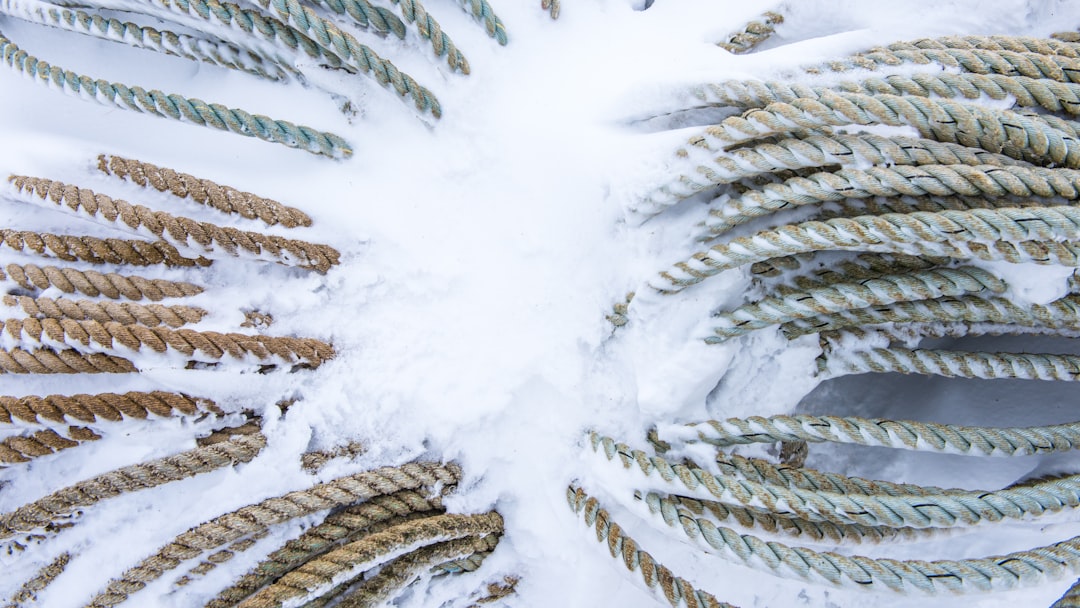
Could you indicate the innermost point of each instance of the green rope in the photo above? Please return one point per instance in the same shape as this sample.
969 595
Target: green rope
482 11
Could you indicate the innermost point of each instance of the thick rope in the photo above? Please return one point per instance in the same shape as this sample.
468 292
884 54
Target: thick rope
313 461
482 11
952 364
657 577
1016 44
195 48
365 16
203 191
978 61
95 284
101 407
430 30
175 107
205 346
64 503
126 313
1071 598
181 232
753 34
27 593
95 250
48 361
24 448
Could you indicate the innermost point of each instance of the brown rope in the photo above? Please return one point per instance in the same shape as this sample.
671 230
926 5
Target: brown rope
94 284
48 361
210 345
313 461
203 191
96 251
63 503
180 231
24 448
104 406
127 313
254 518
28 591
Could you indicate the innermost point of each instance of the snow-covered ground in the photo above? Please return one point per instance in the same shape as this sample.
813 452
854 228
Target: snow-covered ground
479 259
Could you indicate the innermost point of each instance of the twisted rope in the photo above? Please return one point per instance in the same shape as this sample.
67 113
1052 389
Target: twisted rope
203 191
176 107
1071 598
753 34
482 11
24 448
28 591
126 313
553 7
979 61
182 232
952 364
255 518
63 503
366 16
206 346
95 284
104 406
96 251
48 361
1016 44
429 29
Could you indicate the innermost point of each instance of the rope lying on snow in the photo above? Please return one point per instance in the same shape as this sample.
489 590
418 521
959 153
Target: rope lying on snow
126 313
95 284
104 406
753 34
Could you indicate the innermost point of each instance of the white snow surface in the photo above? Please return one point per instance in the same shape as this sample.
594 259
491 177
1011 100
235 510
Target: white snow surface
479 257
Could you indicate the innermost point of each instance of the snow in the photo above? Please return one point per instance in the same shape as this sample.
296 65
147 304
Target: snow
479 258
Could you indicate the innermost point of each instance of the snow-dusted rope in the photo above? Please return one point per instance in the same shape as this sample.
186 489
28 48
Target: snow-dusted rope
95 284
753 34
101 407
127 313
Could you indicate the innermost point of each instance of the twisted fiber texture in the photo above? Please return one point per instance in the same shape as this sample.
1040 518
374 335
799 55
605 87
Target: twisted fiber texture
979 61
203 191
253 518
315 460
553 7
28 591
95 284
1016 135
1016 44
482 11
195 48
903 434
1044 93
753 34
342 44
103 406
176 107
49 361
930 509
337 527
63 503
321 573
1071 598
952 364
208 345
180 231
911 204
24 448
366 16
126 313
1059 314
96 251
900 576
657 577
860 268
890 231
429 29
983 181
468 563
888 289
811 151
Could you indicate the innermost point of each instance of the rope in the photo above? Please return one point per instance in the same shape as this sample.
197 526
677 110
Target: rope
366 16
553 7
952 364
469 563
206 346
48 361
887 289
657 577
95 284
203 191
313 461
28 591
895 232
104 406
1071 599
860 268
182 232
1016 44
126 313
753 34
24 448
64 503
96 251
176 107
195 48
1032 65
985 181
429 29
483 12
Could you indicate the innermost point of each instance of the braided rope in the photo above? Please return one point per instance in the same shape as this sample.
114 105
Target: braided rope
173 106
901 434
753 34
895 232
28 591
64 503
182 232
203 191
195 48
983 181
24 448
657 577
95 284
48 361
482 11
979 61
205 346
103 406
126 313
952 364
254 518
887 289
